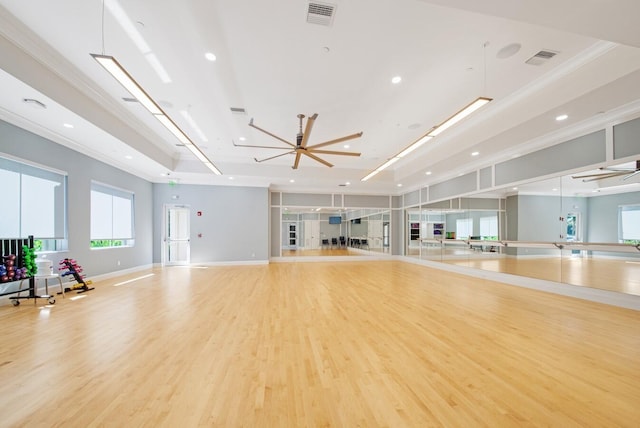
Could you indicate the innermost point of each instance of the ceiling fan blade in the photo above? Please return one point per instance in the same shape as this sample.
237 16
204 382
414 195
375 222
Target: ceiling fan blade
336 141
307 129
273 157
631 175
297 161
269 133
600 175
316 158
333 152
260 147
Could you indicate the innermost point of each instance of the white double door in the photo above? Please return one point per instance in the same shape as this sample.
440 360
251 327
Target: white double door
311 234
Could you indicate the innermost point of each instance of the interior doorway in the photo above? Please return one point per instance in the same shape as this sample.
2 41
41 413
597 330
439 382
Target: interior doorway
177 235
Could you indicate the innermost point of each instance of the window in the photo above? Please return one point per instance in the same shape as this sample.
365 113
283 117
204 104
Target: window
464 228
34 203
489 228
629 224
111 216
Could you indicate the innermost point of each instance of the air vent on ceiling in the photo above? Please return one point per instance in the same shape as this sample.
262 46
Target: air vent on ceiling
129 100
541 57
238 110
321 13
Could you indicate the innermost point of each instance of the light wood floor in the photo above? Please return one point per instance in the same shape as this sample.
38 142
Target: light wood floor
318 344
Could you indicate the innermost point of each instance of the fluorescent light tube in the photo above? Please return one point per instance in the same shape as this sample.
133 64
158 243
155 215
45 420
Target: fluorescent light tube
118 72
387 164
173 128
212 168
198 153
414 146
459 116
371 174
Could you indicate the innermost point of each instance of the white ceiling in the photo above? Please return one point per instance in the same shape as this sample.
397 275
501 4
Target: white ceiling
274 64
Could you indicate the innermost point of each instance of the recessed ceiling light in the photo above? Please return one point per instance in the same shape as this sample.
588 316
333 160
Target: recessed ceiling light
68 125
428 173
129 157
230 178
515 188
292 181
346 146
561 117
210 56
399 184
596 191
475 153
242 139
554 189
395 80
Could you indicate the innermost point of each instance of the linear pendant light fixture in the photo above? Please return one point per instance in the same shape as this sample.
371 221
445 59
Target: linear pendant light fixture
129 83
436 130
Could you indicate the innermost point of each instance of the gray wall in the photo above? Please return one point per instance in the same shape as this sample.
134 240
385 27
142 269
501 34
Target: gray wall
234 222
81 170
603 215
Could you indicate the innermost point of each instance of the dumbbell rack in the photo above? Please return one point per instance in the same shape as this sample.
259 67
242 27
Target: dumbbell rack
71 268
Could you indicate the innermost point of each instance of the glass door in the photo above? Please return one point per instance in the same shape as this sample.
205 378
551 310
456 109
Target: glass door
177 235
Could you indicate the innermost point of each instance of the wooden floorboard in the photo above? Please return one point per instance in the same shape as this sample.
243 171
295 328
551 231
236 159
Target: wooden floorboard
347 344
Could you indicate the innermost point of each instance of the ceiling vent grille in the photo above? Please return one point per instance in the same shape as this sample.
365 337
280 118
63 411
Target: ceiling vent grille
321 13
541 57
238 110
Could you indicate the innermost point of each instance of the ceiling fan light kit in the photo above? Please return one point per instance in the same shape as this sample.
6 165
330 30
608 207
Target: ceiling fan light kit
301 147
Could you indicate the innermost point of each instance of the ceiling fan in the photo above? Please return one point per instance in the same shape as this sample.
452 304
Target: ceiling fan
301 147
625 173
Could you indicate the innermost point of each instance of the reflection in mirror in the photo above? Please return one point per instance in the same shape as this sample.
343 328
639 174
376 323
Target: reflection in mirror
334 232
580 231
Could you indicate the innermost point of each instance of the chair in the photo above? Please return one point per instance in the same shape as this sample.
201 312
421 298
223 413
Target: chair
364 242
325 242
334 242
356 242
343 241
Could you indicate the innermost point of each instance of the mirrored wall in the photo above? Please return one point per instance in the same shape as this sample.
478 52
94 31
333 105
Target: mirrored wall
334 232
581 229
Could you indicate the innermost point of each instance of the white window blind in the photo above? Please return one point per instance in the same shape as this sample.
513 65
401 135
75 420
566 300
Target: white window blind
488 226
111 213
464 228
629 222
35 201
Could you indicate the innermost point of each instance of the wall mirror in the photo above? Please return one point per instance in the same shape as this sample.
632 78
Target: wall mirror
334 232
581 231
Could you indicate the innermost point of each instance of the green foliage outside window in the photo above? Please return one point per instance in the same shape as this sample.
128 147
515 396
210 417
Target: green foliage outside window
104 243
